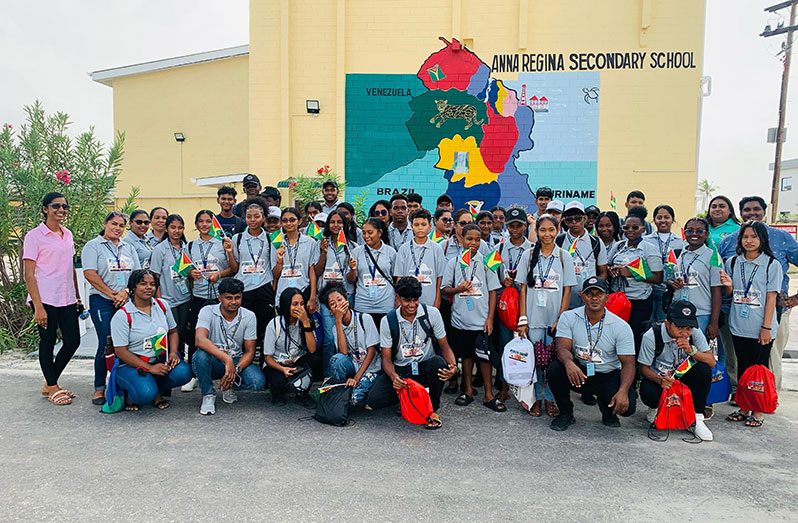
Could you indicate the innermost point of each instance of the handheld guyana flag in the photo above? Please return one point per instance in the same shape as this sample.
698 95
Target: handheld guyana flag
684 237
465 258
276 238
158 343
216 229
314 231
493 260
436 236
683 367
613 201
340 241
639 269
572 248
182 265
715 260
671 260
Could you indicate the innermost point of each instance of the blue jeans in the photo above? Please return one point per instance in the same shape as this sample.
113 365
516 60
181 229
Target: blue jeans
542 390
328 345
342 368
142 390
101 310
657 314
207 368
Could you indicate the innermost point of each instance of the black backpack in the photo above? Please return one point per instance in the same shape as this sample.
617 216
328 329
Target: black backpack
659 343
594 244
426 326
332 407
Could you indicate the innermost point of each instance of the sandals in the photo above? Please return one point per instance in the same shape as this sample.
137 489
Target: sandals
131 407
464 400
495 405
534 410
60 397
162 404
551 409
736 416
46 393
434 422
451 388
708 413
98 400
751 421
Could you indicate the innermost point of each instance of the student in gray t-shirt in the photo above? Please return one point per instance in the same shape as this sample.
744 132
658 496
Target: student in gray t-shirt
294 259
137 238
371 271
423 259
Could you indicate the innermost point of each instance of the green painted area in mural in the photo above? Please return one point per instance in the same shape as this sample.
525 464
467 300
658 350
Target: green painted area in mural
377 141
443 114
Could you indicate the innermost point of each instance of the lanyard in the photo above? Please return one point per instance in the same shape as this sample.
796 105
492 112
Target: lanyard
175 252
255 260
401 235
474 265
233 330
664 251
372 268
289 340
353 350
686 271
292 261
750 280
412 340
591 344
544 275
204 254
413 254
338 260
571 240
116 254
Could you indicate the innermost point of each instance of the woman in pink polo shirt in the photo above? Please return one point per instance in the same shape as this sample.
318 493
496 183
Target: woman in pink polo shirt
48 253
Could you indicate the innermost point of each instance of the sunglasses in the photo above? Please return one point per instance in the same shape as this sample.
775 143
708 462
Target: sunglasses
381 212
141 222
498 218
631 228
694 231
573 219
463 223
289 220
57 206
446 220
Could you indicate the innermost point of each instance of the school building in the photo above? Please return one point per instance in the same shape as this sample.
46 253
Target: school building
485 100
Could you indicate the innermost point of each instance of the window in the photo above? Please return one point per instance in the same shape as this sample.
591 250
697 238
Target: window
786 184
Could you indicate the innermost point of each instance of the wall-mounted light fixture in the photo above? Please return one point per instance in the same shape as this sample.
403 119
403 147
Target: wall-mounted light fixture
180 137
312 106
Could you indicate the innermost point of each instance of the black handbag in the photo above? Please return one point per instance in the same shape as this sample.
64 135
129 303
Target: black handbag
332 407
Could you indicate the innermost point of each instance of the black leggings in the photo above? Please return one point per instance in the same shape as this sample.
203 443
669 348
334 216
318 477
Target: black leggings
641 313
261 302
66 319
749 352
194 308
698 379
277 380
180 314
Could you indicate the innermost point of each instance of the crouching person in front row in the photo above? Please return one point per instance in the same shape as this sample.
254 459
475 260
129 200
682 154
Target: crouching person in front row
413 345
596 356
225 336
677 349
355 337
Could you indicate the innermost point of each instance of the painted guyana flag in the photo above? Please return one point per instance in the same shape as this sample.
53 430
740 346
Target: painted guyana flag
314 231
639 269
182 265
276 238
493 261
465 258
216 229
158 343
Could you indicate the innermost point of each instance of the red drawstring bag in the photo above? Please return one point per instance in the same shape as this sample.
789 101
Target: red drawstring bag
676 410
508 308
756 390
619 305
415 403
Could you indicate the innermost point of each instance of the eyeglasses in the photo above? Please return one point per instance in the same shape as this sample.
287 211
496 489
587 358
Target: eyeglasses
631 228
695 231
289 220
573 219
381 212
141 222
463 223
446 220
57 206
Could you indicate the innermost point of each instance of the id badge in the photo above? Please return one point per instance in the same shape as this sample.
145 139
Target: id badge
372 291
470 303
540 298
745 311
685 296
120 279
414 368
591 369
182 287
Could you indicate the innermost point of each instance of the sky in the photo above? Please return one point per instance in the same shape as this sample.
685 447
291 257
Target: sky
56 43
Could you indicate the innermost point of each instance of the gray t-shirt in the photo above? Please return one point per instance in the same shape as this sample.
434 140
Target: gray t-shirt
665 242
414 344
138 335
610 339
700 276
452 248
623 254
142 246
470 309
253 254
296 264
336 267
552 274
398 238
174 287
672 356
208 256
152 240
229 336
284 344
747 313
113 263
585 261
359 338
426 262
374 291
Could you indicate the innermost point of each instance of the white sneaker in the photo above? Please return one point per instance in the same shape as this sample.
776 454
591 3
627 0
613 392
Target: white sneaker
701 430
208 406
652 413
190 386
229 396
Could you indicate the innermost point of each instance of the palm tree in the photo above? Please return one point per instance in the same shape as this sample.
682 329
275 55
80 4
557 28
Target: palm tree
706 189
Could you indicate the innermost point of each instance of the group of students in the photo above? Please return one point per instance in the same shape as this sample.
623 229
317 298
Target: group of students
284 298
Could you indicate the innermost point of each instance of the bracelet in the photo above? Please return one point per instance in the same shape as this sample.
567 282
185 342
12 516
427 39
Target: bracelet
523 323
766 328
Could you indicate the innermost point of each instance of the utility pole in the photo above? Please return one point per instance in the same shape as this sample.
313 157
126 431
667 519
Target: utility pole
785 80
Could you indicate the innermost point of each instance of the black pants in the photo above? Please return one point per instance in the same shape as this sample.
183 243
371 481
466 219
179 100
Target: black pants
698 379
377 317
180 314
194 308
749 352
66 319
603 385
382 393
277 380
641 313
261 302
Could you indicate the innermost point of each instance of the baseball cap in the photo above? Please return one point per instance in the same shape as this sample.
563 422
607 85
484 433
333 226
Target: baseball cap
683 314
321 217
573 207
592 209
556 206
271 192
251 179
329 182
594 282
515 215
274 212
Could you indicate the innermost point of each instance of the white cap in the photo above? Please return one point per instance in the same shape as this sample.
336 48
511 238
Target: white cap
555 205
575 205
321 217
274 212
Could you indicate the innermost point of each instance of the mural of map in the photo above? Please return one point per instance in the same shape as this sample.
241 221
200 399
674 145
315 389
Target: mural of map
453 128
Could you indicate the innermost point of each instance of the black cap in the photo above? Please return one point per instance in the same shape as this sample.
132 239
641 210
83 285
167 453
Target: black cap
544 191
271 192
329 182
515 215
592 209
594 282
251 179
683 314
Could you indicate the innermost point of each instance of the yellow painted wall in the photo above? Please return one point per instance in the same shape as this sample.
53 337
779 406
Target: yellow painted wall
209 103
302 49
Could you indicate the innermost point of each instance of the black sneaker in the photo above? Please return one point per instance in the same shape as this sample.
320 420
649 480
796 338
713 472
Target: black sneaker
589 399
562 421
611 420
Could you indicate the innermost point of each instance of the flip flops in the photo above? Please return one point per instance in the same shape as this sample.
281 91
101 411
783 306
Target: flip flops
495 405
464 400
434 422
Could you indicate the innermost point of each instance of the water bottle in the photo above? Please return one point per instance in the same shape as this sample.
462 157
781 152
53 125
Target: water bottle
85 314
